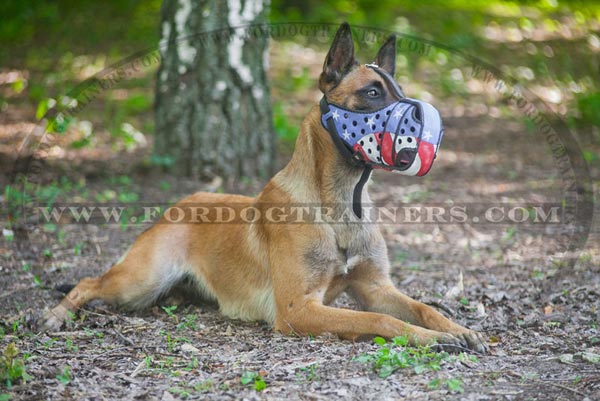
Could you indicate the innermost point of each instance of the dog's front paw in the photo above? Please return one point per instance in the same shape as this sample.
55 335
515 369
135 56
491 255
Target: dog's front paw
475 341
458 342
52 320
449 343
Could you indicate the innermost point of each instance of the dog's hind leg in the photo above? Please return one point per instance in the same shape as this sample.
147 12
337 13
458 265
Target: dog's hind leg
147 271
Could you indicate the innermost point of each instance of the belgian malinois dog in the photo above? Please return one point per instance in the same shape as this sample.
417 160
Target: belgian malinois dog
286 274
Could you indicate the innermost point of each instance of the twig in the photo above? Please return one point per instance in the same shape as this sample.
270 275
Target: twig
127 340
566 388
107 352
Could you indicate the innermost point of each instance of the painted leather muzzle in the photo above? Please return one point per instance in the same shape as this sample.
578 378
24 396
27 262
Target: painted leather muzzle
402 137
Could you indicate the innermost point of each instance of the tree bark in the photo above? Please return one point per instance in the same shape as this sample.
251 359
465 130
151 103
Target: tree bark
213 112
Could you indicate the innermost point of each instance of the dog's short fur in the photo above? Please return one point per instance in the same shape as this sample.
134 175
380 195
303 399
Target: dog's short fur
286 274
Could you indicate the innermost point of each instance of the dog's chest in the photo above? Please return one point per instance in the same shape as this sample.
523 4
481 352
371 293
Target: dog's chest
337 250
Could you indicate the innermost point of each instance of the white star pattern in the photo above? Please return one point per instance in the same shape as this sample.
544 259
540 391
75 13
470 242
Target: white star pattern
335 115
346 135
426 135
397 114
370 121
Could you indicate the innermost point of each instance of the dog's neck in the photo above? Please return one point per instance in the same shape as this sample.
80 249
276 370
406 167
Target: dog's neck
317 173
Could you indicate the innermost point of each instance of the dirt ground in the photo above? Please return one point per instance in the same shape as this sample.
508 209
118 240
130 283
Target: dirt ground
542 324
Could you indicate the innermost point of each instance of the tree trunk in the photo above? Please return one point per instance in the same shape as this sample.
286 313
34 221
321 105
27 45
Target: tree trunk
213 112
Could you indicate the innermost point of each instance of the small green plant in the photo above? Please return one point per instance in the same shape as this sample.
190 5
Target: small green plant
169 310
193 364
189 322
309 373
398 355
38 281
454 385
255 379
93 333
148 361
180 391
77 248
70 346
509 233
65 376
12 368
171 341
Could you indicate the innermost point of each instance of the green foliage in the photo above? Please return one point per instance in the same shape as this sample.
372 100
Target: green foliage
398 355
169 310
309 373
254 379
65 376
188 322
77 248
12 368
454 385
286 131
589 108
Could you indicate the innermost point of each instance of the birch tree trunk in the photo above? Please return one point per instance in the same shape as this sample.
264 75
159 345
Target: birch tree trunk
213 113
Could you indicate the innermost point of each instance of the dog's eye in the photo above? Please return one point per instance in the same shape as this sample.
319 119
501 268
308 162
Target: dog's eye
372 93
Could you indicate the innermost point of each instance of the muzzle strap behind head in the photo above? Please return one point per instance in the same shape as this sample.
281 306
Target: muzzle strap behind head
388 79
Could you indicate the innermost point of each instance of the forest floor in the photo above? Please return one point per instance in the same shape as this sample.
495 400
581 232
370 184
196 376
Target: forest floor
501 279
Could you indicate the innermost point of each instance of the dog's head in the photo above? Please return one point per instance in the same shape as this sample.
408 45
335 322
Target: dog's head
347 83
367 115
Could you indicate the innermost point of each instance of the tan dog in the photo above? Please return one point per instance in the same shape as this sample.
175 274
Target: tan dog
285 273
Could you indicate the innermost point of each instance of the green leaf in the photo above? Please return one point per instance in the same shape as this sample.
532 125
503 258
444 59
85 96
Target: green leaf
420 369
247 378
64 377
434 384
379 341
455 385
401 341
259 384
591 357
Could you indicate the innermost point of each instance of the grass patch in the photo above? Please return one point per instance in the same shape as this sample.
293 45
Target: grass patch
12 368
396 354
254 379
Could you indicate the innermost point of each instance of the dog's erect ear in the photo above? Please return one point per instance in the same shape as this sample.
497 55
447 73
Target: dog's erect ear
386 56
340 59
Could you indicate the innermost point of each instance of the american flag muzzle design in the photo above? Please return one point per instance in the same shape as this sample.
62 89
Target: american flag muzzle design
402 137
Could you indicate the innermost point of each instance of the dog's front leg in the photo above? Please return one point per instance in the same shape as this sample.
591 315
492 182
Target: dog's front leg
299 293
310 317
373 289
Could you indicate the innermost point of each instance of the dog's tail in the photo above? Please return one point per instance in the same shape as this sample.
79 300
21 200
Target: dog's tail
64 288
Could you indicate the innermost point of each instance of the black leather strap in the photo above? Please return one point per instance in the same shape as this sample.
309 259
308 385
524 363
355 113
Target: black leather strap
347 154
389 79
357 195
